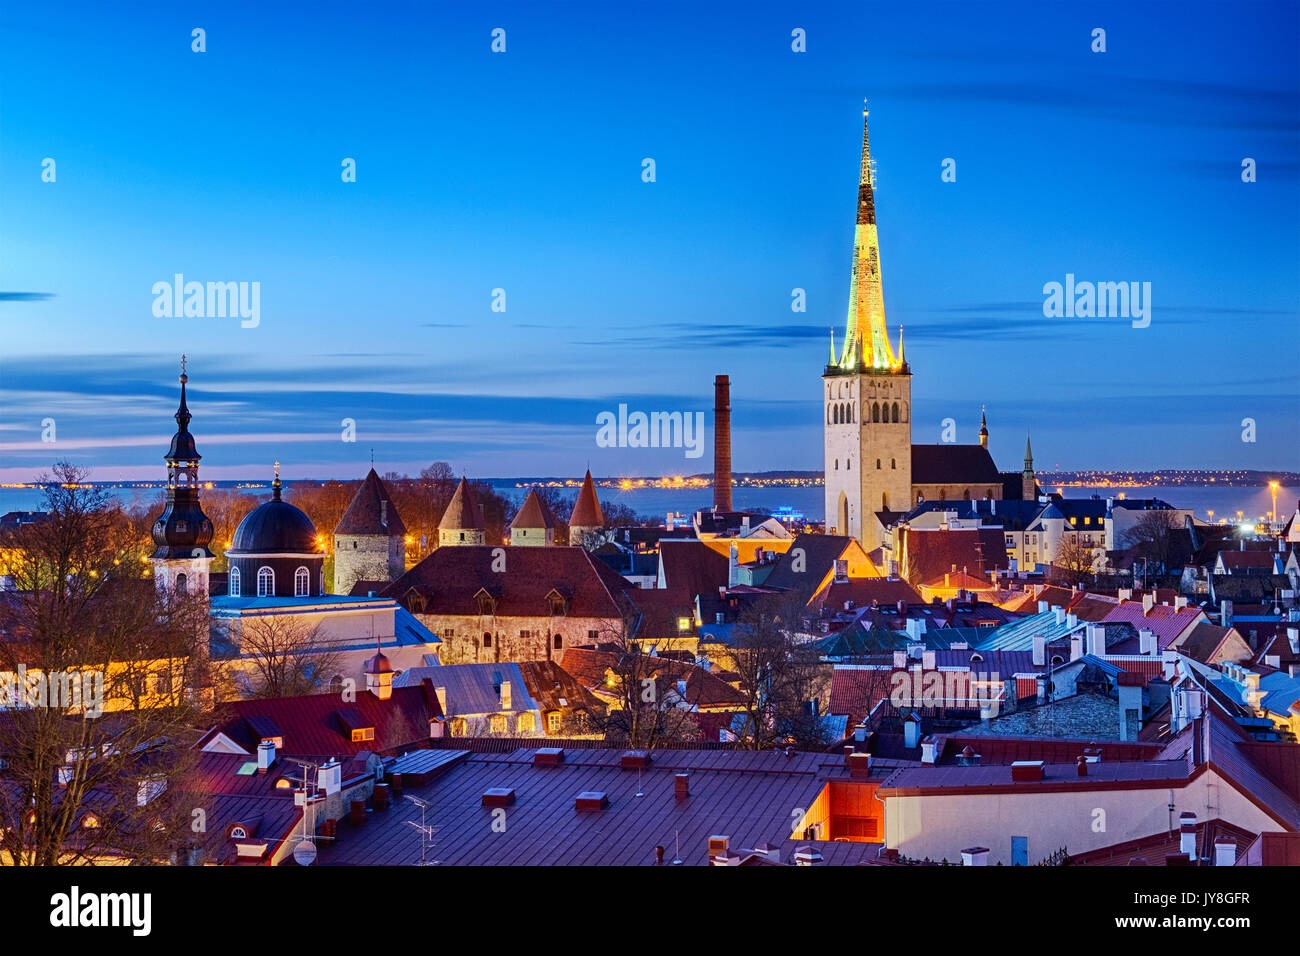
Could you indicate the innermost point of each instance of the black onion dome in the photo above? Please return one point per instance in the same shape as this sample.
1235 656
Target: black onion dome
276 527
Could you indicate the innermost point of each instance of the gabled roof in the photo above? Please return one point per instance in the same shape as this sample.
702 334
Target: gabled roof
692 566
1167 623
372 511
313 724
951 464
462 512
448 581
586 510
533 514
933 551
817 554
864 592
474 689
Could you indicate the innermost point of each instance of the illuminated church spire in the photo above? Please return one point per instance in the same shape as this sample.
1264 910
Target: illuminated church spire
866 343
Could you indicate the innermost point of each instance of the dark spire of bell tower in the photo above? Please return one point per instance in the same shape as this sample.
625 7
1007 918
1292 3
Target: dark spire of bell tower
182 530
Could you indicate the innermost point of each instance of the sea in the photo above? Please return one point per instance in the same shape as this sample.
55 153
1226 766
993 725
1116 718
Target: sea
1209 502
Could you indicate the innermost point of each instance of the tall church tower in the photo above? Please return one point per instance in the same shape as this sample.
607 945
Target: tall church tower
182 531
867 394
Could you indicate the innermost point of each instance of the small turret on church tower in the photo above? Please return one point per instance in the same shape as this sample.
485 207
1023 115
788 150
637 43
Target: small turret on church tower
379 676
462 522
1030 486
370 540
587 518
182 532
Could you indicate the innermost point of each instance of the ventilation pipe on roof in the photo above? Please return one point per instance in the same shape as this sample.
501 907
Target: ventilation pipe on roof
1040 650
1043 607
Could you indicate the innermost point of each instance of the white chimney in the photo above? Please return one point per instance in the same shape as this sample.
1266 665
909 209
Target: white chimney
1060 614
1225 852
330 778
1187 834
1180 602
1146 641
1096 640
505 695
900 658
1148 602
927 750
1076 646
265 755
1040 650
1043 607
975 856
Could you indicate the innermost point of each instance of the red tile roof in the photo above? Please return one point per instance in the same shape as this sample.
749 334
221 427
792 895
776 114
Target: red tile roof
586 510
314 725
1167 623
462 512
864 592
372 511
932 552
692 566
533 514
449 580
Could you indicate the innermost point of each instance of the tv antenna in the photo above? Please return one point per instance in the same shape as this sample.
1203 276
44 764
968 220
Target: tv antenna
304 850
424 829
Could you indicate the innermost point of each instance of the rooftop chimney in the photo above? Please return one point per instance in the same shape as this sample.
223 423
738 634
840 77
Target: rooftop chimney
681 785
1146 641
722 443
1187 834
1040 650
975 856
265 755
1096 640
1225 851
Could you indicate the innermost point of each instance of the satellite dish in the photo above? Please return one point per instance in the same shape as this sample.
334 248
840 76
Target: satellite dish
304 854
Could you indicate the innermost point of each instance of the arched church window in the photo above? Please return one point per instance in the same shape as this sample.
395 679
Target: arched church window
835 414
884 501
234 582
893 464
265 581
895 412
875 411
181 583
301 582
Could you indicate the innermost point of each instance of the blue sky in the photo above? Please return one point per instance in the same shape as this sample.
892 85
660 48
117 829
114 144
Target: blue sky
522 171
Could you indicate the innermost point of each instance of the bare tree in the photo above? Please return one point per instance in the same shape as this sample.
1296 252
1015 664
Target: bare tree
101 672
283 656
1151 536
646 711
1073 562
784 683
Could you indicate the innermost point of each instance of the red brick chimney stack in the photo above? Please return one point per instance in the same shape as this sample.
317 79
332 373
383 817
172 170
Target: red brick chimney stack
722 443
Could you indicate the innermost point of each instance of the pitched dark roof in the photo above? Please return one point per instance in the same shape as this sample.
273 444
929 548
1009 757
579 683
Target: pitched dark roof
533 514
950 464
932 552
692 566
817 552
449 580
462 512
586 510
315 724
372 511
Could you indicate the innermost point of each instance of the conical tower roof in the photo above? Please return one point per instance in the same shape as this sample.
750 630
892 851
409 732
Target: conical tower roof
462 512
372 511
534 513
866 342
586 510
